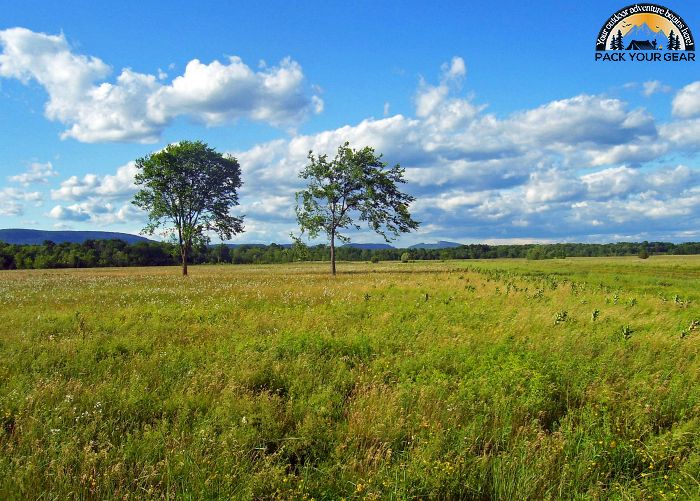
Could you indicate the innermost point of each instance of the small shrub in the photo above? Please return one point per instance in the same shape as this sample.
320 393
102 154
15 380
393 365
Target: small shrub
695 324
405 257
560 316
626 331
643 254
374 259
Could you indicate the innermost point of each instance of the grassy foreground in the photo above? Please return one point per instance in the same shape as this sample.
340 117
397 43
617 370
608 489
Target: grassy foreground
576 378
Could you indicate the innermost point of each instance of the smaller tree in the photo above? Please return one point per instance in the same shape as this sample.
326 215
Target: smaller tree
355 185
188 189
300 251
616 42
671 41
405 257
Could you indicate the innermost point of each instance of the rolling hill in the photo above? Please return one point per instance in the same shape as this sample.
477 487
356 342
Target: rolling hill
442 244
22 236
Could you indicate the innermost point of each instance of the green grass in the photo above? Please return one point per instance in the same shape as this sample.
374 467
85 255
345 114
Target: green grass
470 379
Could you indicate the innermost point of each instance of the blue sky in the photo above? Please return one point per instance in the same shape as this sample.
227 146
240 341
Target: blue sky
508 129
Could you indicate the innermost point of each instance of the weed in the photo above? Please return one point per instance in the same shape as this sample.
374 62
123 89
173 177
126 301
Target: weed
560 317
626 331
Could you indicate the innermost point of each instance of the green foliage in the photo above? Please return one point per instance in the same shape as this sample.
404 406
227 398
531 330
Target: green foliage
300 251
103 253
355 186
188 189
626 331
405 257
643 253
374 259
536 253
561 317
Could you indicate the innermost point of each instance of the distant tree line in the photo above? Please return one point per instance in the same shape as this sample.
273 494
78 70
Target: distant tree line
107 253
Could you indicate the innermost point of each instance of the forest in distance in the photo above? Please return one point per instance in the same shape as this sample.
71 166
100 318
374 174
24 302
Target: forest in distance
117 253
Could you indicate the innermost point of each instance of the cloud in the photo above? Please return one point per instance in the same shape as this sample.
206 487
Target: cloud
586 168
73 213
137 107
97 212
99 199
37 173
218 93
119 185
682 134
476 150
686 103
455 70
12 201
582 121
435 104
552 186
11 208
637 151
654 86
20 195
546 173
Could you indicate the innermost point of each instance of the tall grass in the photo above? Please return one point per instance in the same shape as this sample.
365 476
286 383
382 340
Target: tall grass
471 380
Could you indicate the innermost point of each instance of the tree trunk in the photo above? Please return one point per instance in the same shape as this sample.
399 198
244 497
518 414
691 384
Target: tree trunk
184 261
333 253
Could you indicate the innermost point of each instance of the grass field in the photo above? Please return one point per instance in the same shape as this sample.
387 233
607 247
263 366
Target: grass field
503 379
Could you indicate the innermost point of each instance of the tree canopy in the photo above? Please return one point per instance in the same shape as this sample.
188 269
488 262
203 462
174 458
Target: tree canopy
189 189
102 253
354 186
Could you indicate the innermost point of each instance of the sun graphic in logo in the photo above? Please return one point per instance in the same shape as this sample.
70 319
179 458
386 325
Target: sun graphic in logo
645 32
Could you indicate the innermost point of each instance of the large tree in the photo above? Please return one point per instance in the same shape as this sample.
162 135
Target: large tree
189 189
355 186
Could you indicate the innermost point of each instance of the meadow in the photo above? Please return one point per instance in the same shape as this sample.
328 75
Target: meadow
500 379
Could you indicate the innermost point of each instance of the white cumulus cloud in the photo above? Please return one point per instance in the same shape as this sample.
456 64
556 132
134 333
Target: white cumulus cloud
587 167
136 107
36 173
118 185
12 200
686 103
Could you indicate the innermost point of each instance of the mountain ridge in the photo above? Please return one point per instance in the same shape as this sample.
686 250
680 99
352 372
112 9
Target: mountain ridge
441 244
25 236
644 32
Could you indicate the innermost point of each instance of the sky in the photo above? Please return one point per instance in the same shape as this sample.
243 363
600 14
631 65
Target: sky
508 129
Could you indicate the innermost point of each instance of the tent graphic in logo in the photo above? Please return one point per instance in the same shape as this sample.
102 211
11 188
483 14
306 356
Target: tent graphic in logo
645 27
